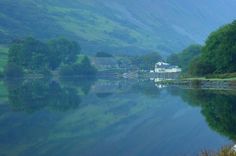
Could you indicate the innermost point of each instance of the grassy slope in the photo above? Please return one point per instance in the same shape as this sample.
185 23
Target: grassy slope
114 26
95 25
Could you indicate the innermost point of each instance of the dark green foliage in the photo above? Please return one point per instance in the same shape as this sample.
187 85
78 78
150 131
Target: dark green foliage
146 62
199 67
184 58
84 68
220 49
35 56
13 71
29 54
62 51
219 53
103 54
174 59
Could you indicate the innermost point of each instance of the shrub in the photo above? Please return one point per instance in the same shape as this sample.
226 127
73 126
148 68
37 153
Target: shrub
103 54
225 151
82 69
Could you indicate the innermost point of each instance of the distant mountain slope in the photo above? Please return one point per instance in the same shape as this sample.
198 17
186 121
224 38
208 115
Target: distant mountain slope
117 26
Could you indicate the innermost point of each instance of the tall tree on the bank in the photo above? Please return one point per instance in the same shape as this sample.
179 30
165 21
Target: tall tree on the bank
184 58
31 54
218 54
148 61
63 51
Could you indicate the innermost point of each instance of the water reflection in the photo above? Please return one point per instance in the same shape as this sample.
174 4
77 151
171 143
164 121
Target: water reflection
218 107
34 95
112 117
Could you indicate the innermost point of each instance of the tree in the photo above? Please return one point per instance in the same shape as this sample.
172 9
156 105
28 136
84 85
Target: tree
84 68
103 54
148 61
29 54
184 58
63 51
35 56
173 59
219 52
199 67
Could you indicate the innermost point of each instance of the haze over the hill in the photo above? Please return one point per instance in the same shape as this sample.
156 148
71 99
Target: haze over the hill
117 26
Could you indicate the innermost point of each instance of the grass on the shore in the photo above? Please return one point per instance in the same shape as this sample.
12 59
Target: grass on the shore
214 77
225 151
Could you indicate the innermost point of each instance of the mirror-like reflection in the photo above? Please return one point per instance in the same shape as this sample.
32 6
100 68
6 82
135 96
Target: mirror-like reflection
218 107
112 117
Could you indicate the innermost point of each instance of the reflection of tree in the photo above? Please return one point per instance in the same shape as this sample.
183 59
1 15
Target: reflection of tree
219 108
104 95
147 88
84 83
34 95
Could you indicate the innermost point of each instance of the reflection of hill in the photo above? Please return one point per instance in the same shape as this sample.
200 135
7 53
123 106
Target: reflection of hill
128 122
111 86
218 107
104 88
147 88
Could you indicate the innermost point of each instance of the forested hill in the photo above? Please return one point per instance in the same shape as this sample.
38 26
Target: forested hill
121 26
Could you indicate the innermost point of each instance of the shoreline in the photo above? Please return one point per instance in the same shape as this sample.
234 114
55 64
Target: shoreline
203 83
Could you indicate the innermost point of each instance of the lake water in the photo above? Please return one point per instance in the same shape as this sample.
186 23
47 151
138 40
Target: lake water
112 118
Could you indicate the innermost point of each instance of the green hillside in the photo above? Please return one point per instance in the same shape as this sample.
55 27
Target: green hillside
131 27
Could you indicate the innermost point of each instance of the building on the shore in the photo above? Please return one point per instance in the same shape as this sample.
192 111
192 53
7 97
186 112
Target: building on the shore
162 67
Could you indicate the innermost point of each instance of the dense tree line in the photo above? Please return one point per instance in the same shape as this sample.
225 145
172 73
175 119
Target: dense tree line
84 68
146 62
103 54
31 55
219 53
184 58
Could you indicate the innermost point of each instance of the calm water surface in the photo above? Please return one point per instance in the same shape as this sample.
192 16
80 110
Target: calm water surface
112 118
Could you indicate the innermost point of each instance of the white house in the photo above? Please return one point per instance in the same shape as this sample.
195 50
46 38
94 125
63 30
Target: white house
162 67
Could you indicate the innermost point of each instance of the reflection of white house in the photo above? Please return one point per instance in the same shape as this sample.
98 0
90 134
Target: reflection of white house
234 148
162 67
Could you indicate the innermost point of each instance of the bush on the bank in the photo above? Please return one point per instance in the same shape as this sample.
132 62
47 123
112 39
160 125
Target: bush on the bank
225 151
219 53
84 68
